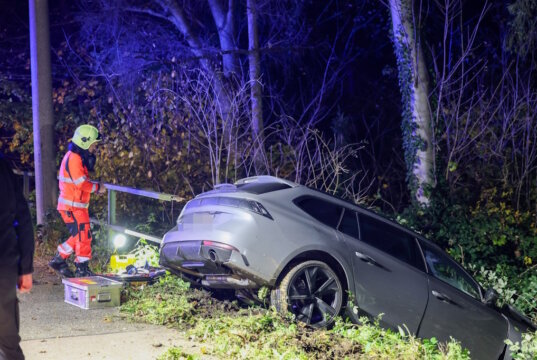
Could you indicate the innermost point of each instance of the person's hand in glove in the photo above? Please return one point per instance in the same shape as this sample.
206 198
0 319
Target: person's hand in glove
102 188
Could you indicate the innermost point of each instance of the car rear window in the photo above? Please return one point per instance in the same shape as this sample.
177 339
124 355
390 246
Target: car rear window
324 211
391 240
349 224
262 188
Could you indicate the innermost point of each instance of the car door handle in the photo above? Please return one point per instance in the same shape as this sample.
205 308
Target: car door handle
442 297
366 258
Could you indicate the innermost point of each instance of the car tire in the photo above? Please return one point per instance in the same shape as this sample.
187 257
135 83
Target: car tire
311 291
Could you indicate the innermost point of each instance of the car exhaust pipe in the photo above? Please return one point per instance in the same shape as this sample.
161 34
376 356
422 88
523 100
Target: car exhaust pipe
212 256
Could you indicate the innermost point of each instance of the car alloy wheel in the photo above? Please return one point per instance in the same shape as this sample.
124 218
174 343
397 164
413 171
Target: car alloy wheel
312 292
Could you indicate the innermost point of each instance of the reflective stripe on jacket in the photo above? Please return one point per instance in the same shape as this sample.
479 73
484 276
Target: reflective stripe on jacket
75 186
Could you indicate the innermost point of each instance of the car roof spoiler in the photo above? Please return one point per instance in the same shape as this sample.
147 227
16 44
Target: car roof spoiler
265 179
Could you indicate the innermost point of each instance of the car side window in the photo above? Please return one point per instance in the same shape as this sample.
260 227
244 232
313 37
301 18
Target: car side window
324 211
391 240
349 224
445 269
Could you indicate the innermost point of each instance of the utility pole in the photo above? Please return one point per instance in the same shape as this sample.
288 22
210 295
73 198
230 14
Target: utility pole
43 122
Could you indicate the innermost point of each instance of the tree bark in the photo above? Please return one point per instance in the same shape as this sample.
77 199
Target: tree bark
46 186
414 87
255 70
255 83
225 25
178 18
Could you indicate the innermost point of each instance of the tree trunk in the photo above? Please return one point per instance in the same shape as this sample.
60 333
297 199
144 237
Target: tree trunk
255 84
46 186
179 19
414 87
225 24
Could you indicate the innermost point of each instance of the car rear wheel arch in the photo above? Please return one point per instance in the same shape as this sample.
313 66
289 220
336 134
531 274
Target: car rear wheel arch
325 257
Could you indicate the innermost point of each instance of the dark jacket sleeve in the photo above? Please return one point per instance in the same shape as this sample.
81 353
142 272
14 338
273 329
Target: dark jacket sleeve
24 230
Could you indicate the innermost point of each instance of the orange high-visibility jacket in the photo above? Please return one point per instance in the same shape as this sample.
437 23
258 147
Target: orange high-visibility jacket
75 186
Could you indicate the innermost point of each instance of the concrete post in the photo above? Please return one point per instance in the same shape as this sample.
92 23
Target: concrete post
46 187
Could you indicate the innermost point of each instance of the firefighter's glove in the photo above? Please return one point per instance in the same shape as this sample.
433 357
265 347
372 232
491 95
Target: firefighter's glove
102 188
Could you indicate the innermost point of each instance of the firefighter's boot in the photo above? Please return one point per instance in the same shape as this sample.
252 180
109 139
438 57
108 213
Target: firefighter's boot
82 270
58 264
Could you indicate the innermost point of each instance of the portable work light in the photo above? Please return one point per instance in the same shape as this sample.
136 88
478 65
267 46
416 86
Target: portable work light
119 241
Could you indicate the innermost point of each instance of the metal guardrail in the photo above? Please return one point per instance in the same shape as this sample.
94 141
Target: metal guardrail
111 218
111 209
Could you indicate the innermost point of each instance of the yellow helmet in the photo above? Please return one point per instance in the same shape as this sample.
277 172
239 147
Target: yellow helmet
85 135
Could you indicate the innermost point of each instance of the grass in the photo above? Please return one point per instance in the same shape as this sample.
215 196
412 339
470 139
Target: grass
232 332
176 353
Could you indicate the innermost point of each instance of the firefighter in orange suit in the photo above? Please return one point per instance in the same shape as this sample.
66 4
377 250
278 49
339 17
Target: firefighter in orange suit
73 202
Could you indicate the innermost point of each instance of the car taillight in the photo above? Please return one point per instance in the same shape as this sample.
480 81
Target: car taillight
255 207
217 245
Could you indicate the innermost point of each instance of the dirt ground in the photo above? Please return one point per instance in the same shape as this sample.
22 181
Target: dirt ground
43 275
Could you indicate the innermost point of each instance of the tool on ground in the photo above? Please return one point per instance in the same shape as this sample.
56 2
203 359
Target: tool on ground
119 263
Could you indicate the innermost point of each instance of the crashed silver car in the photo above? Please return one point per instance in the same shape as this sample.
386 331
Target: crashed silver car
321 256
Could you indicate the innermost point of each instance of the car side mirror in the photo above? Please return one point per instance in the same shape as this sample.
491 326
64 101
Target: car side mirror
490 297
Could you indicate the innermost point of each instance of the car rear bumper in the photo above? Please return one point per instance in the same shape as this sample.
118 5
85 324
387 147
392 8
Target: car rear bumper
215 266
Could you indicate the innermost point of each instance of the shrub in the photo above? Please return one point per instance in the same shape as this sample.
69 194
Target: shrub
526 349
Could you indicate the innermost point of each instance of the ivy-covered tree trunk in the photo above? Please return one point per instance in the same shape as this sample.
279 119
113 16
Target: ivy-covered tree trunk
416 112
522 35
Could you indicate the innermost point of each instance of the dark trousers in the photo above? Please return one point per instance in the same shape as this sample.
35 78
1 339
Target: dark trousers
9 316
